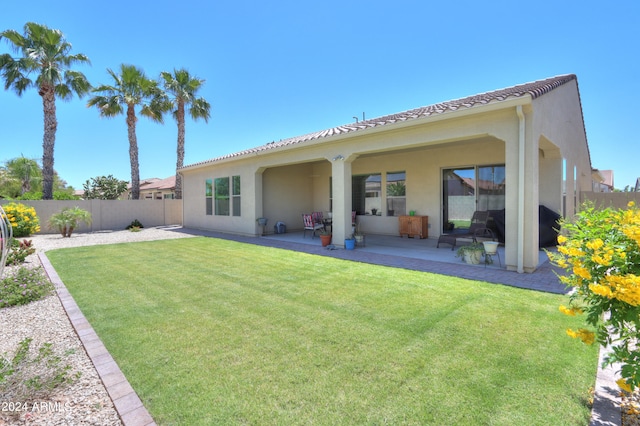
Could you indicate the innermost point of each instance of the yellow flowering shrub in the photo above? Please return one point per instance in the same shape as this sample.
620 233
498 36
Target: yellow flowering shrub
600 251
23 219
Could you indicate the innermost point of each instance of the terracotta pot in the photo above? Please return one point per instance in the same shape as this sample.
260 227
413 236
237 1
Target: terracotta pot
325 240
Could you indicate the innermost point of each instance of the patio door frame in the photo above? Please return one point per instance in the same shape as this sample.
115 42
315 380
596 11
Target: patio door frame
472 174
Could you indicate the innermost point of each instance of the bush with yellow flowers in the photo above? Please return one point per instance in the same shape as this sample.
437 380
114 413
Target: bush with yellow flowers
600 250
23 219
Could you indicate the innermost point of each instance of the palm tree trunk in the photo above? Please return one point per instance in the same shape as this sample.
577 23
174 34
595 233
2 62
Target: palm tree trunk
180 149
133 153
49 139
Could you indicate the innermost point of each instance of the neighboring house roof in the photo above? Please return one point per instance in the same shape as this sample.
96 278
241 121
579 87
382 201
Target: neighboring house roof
158 184
534 89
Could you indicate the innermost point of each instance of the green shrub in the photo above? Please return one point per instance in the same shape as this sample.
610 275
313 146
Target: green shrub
19 251
135 224
67 220
23 219
57 195
600 250
26 285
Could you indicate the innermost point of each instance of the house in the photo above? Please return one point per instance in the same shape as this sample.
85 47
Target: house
513 149
604 183
156 189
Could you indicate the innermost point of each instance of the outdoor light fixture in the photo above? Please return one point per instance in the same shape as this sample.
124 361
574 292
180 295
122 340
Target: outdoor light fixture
337 157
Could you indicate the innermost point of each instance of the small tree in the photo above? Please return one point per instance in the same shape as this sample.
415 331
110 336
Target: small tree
67 220
104 188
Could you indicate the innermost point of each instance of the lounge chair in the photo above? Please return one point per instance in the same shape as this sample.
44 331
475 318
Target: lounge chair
478 228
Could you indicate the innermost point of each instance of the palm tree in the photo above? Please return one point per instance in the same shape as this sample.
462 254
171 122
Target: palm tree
131 89
45 53
24 170
182 89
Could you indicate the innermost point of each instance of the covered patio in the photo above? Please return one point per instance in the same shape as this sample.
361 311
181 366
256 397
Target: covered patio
421 255
415 248
417 255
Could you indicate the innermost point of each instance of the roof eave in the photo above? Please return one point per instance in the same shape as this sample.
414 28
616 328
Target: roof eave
447 115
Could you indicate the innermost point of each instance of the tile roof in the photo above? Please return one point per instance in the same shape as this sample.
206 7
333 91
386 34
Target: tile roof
156 183
534 89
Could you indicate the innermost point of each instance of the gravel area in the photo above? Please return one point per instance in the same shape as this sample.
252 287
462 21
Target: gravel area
85 402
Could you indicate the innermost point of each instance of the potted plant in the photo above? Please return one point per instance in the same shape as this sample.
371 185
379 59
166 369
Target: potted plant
471 253
325 237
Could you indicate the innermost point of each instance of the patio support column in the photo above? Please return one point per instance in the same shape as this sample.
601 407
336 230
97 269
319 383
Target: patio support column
258 190
341 173
522 197
531 197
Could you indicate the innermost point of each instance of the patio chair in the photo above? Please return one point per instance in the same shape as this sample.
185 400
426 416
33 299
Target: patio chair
318 218
478 228
310 225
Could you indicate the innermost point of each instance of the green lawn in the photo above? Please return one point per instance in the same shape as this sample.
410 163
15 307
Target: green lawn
217 332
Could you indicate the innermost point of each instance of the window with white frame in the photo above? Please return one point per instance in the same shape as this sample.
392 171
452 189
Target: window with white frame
235 195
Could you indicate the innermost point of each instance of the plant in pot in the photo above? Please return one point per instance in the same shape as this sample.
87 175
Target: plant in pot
325 237
471 253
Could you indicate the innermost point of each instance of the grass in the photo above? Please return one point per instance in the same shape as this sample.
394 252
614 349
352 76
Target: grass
217 332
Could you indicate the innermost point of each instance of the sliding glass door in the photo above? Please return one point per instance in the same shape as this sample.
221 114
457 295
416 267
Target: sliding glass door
467 189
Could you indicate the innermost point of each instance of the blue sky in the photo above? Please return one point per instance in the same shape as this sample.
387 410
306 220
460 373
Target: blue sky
279 69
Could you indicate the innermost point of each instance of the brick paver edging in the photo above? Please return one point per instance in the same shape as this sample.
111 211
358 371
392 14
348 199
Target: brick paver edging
125 400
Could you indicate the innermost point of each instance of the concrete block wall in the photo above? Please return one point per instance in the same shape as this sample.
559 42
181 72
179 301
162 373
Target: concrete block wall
110 215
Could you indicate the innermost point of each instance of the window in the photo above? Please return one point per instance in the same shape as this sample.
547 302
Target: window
396 194
208 193
221 197
367 193
236 195
467 189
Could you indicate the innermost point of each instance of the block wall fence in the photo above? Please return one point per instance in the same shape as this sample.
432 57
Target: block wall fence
110 215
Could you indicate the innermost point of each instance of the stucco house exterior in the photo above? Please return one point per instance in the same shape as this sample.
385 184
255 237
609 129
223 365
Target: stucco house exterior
513 149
